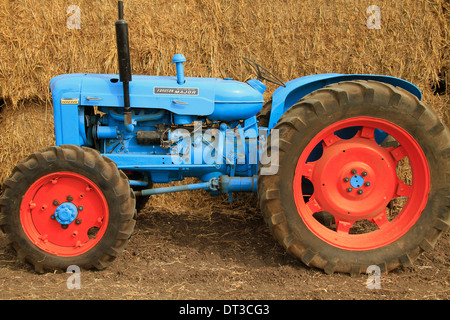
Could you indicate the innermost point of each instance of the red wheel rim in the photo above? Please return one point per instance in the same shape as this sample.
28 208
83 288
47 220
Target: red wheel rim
64 214
355 179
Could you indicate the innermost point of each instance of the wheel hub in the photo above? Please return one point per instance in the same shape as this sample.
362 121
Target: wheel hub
357 181
66 228
354 179
66 213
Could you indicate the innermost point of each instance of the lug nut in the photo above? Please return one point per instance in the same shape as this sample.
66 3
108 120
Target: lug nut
78 221
55 202
360 191
354 171
64 226
69 198
346 179
349 189
364 174
367 183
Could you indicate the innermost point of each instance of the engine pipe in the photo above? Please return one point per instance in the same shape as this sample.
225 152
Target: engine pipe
123 51
179 59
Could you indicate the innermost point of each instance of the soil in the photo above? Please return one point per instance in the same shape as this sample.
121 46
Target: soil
222 256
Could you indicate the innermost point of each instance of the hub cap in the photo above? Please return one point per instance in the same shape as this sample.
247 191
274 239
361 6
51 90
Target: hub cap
66 213
356 179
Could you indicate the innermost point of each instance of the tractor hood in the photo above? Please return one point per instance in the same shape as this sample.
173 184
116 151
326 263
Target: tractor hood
218 99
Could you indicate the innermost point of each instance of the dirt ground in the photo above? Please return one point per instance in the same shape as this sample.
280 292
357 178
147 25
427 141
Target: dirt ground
222 256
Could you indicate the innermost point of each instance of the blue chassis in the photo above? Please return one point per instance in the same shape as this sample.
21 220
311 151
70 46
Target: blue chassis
217 178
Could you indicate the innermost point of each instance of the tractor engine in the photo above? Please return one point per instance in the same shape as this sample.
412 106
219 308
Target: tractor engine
180 127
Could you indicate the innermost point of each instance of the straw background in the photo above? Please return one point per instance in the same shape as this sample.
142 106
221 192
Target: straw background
290 37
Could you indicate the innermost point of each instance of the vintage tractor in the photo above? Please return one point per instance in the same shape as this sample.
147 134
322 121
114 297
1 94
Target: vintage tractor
350 170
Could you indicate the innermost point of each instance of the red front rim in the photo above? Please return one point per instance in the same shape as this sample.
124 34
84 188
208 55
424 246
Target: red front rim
64 214
356 180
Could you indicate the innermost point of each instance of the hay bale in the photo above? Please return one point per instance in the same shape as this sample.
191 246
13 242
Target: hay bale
24 130
291 38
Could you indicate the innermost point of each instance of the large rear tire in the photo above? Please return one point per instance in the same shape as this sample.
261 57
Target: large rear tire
67 206
372 161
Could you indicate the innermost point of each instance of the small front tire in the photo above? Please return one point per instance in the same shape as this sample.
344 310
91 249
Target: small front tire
65 206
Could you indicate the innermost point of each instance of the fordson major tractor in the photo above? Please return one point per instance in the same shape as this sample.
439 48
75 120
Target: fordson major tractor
349 170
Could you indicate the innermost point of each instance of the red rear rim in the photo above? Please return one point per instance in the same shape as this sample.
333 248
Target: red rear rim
375 192
64 214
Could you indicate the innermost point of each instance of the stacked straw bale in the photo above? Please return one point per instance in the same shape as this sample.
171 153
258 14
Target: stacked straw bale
292 38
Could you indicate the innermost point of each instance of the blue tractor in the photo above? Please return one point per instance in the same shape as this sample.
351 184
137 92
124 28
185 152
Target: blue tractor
350 171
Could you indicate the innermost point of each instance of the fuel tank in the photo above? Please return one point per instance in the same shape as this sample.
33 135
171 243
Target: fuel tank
217 99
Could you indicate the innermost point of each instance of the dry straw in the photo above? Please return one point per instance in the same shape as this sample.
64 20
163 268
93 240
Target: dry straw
292 38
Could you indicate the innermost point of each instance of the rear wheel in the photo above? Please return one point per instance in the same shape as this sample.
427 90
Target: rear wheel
67 206
362 178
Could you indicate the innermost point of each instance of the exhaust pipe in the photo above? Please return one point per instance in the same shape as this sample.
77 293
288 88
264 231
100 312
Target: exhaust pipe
123 51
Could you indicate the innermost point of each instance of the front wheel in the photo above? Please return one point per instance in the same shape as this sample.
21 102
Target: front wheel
67 206
363 178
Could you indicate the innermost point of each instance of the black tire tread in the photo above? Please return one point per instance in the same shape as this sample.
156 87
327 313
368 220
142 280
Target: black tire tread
82 156
329 103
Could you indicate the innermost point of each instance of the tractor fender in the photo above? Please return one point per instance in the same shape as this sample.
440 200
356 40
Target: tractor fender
285 97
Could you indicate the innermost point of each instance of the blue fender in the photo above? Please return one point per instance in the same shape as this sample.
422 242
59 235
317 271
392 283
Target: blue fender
285 97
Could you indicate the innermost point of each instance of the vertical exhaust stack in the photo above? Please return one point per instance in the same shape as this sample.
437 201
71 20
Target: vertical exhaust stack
123 51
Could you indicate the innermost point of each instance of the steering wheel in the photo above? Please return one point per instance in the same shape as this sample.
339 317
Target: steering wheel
264 74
